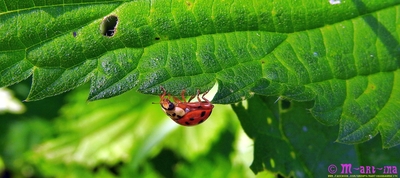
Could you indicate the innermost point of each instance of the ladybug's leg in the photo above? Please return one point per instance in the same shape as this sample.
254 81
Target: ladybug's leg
205 99
191 97
183 95
198 95
164 93
183 98
176 100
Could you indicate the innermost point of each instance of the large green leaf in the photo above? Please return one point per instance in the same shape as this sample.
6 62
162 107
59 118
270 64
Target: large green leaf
184 44
343 55
287 140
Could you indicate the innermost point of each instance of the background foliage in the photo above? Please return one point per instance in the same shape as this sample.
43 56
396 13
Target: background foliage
334 61
123 136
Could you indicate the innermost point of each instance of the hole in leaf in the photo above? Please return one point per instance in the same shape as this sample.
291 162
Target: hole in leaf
74 34
285 104
108 26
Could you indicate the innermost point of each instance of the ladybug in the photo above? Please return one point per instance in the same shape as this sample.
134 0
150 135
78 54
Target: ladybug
186 113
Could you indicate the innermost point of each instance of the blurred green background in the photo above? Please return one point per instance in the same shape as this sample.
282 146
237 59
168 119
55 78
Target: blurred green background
124 136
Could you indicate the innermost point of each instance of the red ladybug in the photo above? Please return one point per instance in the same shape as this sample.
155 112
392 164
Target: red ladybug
186 113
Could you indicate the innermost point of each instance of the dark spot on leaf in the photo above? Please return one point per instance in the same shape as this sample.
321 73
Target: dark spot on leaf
157 38
203 113
108 26
74 34
285 104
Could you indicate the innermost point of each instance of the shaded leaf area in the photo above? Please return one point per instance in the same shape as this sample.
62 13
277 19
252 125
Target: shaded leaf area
287 140
343 56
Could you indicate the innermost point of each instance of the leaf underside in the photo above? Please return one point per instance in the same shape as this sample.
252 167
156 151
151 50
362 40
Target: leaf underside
287 140
343 56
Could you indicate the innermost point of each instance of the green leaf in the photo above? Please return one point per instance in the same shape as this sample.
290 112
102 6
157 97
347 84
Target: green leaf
88 132
128 128
353 84
344 56
19 138
287 140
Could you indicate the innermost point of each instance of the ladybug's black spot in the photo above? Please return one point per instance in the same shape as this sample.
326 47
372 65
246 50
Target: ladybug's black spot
203 113
200 121
192 119
187 123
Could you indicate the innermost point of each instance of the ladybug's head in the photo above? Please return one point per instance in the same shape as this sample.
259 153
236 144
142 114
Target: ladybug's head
167 105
